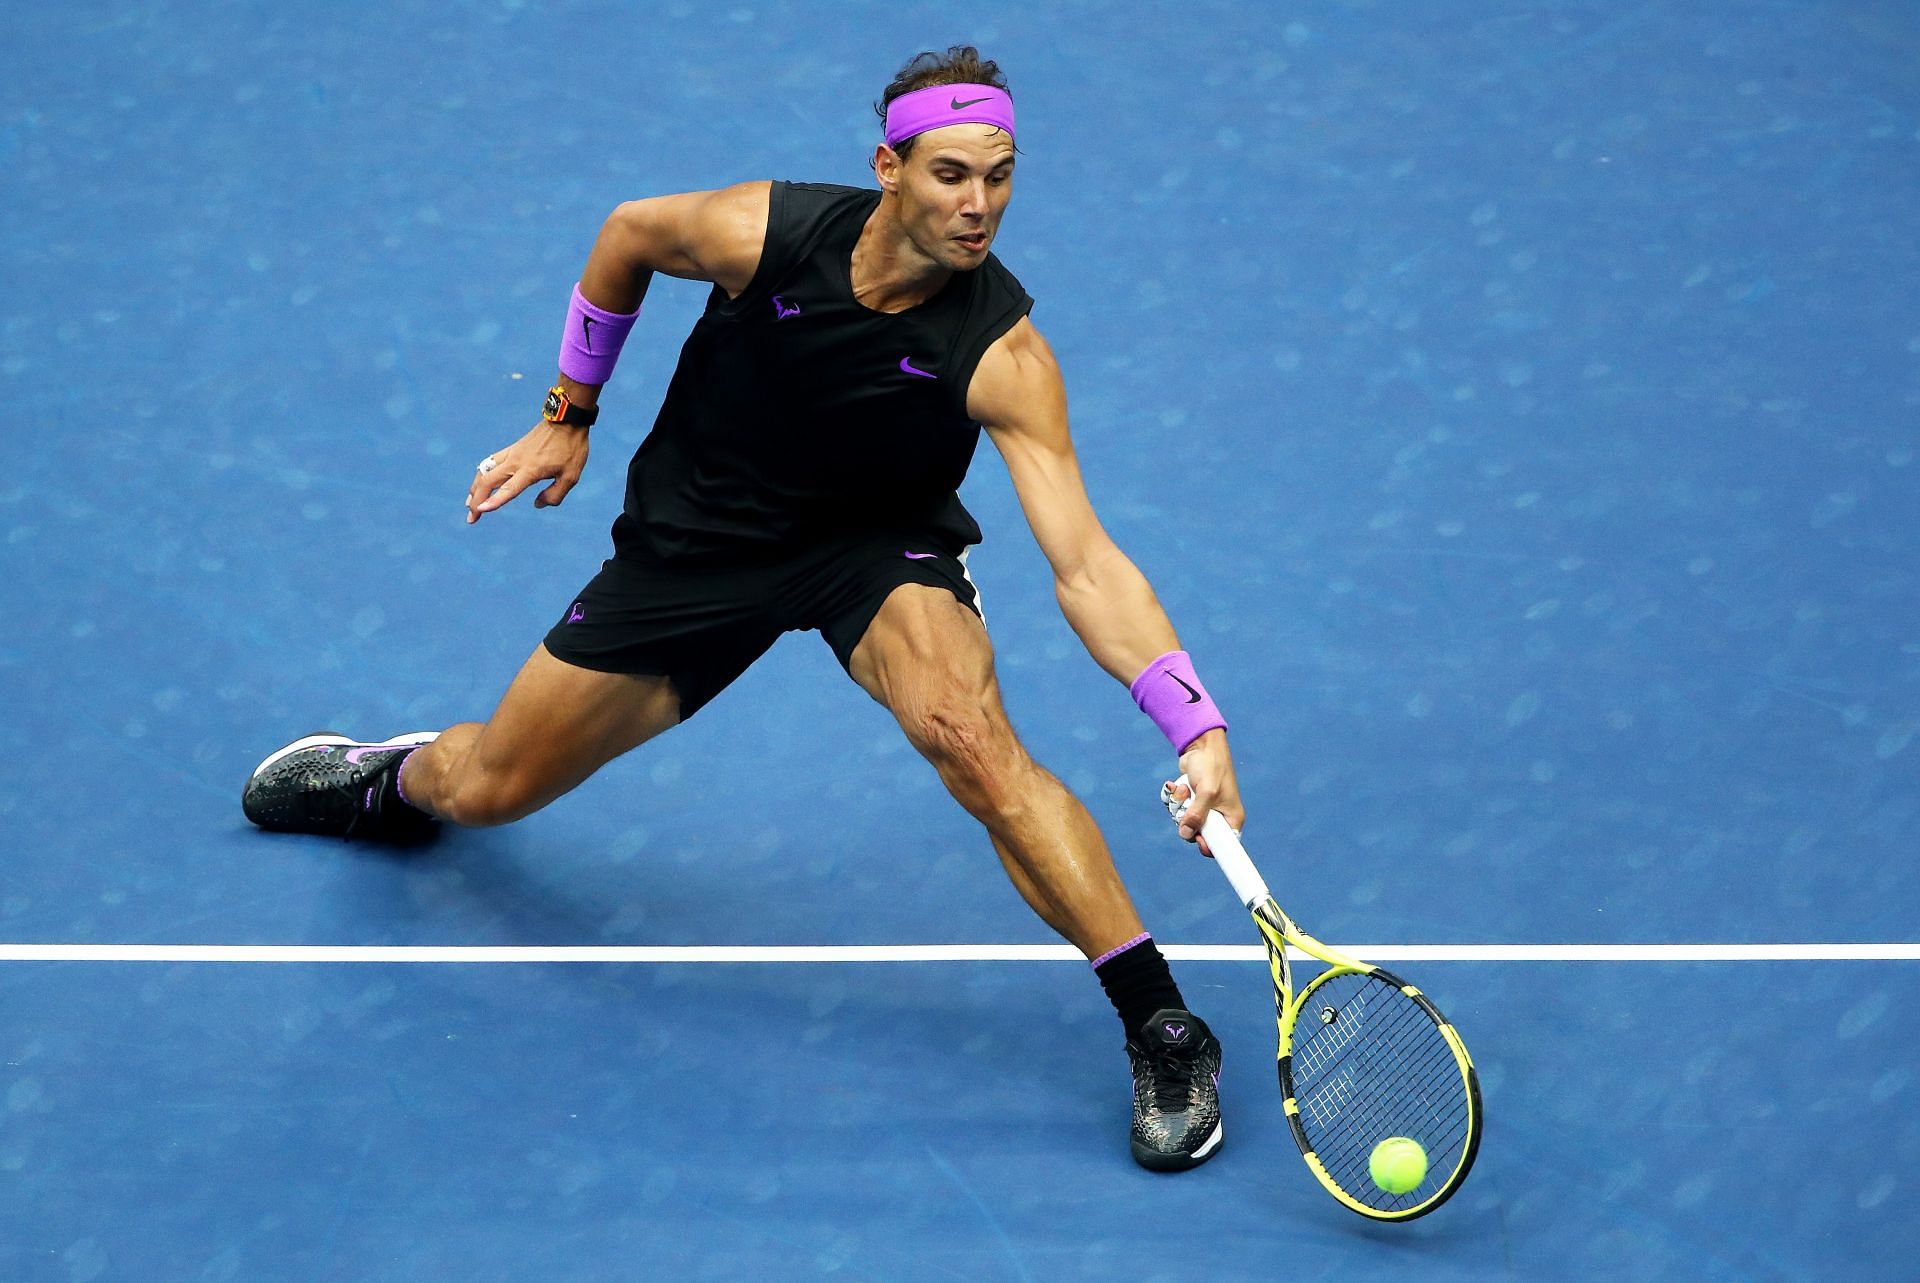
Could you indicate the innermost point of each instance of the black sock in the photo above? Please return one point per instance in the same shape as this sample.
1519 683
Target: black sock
1137 982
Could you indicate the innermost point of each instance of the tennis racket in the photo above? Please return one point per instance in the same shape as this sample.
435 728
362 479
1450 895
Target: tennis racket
1364 1056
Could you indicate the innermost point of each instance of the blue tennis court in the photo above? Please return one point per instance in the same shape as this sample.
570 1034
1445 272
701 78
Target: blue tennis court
1516 410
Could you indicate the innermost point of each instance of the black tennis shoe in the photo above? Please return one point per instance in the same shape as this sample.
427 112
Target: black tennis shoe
329 784
1176 1092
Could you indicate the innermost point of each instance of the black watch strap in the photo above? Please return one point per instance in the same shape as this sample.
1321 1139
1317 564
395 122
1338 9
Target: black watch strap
559 409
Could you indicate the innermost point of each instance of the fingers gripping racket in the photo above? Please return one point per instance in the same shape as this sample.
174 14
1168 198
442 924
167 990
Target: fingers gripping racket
1364 1057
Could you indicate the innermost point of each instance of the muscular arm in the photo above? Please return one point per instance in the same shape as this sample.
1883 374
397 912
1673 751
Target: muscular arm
1018 394
712 236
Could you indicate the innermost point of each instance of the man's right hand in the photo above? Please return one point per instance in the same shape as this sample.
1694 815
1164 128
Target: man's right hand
555 452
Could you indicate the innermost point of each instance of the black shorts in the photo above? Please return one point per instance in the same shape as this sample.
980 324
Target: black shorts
702 625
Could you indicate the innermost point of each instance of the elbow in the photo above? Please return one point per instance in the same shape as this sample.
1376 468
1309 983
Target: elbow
627 215
1071 583
628 232
1083 572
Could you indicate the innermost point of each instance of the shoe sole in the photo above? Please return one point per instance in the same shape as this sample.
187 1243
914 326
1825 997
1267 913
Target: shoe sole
334 737
1157 1162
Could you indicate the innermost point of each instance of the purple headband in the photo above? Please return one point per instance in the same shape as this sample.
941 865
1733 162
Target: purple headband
940 105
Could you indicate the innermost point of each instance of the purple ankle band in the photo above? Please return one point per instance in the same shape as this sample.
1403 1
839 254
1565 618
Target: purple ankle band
940 105
591 342
1173 697
1119 949
400 777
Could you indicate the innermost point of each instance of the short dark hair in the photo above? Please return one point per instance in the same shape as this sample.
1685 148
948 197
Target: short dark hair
959 65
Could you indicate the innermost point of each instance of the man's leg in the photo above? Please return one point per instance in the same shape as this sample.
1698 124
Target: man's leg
556 725
926 658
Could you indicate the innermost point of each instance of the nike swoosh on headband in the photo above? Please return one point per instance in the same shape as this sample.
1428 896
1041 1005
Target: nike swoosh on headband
956 104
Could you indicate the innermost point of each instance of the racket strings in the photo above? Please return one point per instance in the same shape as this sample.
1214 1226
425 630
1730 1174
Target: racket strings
1369 1063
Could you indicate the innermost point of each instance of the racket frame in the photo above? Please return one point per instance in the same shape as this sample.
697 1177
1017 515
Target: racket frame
1279 932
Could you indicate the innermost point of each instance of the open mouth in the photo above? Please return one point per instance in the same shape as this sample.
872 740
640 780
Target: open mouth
974 241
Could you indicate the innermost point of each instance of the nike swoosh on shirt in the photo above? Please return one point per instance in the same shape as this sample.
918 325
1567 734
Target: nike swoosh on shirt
920 556
910 370
1193 695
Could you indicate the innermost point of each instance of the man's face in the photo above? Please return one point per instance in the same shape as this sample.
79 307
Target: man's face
953 189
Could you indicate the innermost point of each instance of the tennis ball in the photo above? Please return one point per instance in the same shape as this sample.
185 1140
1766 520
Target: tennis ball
1397 1164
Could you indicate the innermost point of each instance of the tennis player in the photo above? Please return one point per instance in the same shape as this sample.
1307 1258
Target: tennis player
802 475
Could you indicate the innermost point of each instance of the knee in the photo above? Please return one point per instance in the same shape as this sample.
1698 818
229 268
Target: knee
978 759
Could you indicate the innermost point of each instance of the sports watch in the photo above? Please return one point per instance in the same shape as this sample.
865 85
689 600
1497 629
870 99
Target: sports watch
559 409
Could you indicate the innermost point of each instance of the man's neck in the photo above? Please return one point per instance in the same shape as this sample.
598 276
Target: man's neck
888 273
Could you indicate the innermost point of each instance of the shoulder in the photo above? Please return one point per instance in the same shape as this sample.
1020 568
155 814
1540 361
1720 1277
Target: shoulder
1023 346
1017 375
994 340
733 224
741 210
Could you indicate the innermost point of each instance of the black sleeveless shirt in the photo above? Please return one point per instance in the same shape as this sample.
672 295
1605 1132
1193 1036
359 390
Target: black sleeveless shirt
796 412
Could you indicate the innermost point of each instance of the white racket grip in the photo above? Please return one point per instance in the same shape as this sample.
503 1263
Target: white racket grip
1227 851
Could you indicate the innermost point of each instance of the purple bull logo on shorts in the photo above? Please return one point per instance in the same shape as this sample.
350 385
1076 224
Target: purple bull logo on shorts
576 613
783 309
1176 1032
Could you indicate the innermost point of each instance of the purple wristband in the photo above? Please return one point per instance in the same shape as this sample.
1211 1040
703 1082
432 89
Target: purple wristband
1173 697
591 342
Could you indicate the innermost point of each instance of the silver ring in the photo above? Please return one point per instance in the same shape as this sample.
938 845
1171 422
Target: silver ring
488 464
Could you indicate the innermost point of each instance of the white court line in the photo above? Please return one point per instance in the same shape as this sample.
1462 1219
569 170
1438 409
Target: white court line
630 954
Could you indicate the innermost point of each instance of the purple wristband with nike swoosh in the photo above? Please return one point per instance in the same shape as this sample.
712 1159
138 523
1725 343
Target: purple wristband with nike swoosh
1170 693
591 342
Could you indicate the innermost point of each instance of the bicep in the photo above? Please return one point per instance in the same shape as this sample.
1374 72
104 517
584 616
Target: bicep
711 236
1023 404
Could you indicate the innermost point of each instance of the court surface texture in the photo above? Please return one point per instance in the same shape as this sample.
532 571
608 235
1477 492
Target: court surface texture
1516 409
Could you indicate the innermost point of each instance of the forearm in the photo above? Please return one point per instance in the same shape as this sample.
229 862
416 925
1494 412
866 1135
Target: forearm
615 278
1113 609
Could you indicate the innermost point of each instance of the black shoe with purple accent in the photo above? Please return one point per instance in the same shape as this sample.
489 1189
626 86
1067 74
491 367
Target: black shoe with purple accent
329 784
1176 1092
